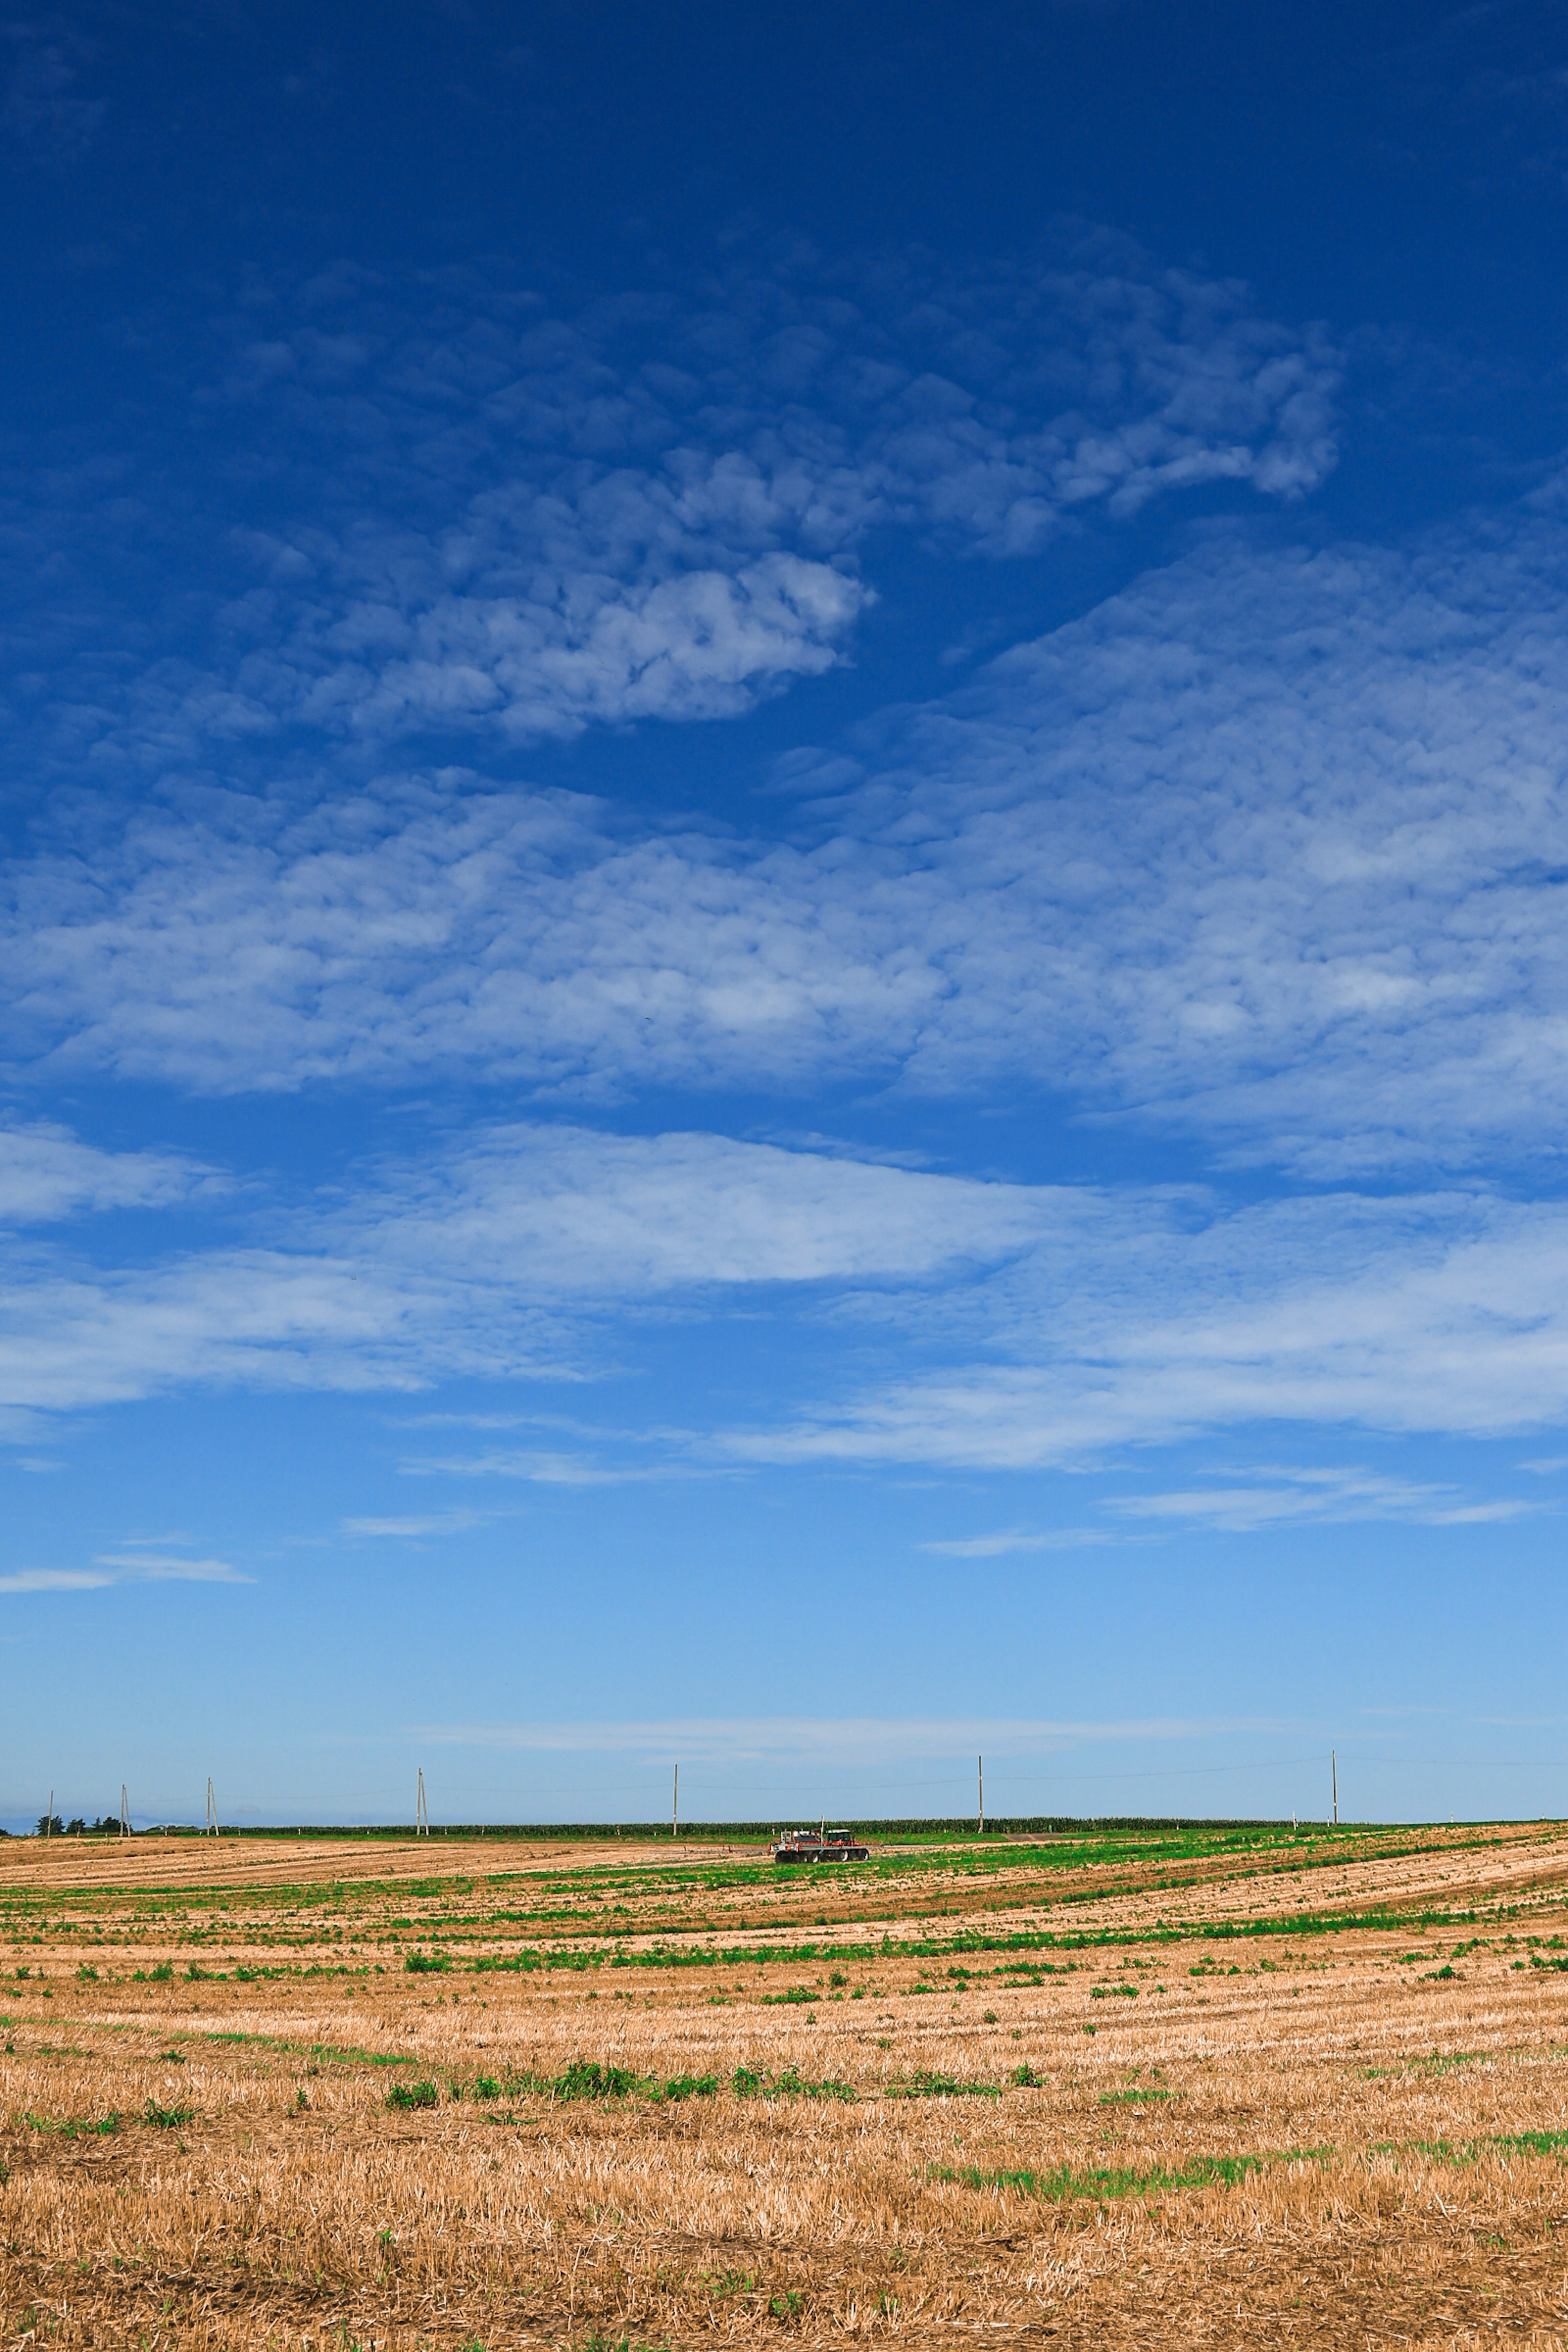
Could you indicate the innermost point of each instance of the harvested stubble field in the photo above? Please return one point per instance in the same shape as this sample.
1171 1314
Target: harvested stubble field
1239 2086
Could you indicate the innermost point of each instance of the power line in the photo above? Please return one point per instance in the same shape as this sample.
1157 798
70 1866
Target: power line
891 1789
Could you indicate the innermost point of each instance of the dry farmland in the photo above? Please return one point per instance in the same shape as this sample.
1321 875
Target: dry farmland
1234 2086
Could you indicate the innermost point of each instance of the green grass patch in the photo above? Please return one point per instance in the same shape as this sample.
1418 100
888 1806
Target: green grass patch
684 2086
165 2119
586 2079
1469 2151
106 2127
1448 2062
1065 2182
325 2053
412 2094
755 2083
929 2085
1531 2143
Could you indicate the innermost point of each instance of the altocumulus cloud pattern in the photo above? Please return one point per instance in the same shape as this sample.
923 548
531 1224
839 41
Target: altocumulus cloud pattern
1258 846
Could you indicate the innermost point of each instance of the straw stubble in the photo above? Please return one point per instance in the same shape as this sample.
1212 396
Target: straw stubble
1107 2092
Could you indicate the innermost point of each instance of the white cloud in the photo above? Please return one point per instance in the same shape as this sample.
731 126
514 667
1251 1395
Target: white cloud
1005 1541
852 1740
410 1528
435 926
988 1325
171 1567
47 1174
543 1210
1270 847
489 521
56 1580
703 644
1439 1313
485 1260
1283 1497
1281 840
128 1568
532 1465
71 1335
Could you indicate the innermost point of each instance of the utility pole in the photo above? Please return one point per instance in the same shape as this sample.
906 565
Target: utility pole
980 1773
212 1810
421 1810
124 1814
1334 1770
674 1806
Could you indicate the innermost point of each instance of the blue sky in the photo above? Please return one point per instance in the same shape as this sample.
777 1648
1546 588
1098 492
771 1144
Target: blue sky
782 942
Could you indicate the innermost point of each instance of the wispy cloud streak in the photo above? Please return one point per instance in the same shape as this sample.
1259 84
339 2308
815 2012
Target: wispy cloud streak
112 1569
862 1740
995 1325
